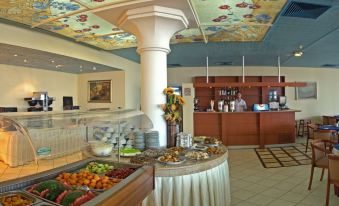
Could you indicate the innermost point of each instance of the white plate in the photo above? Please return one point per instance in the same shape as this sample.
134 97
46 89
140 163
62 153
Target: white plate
182 159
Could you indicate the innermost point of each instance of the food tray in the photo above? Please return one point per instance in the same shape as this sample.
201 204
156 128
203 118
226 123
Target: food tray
23 194
182 159
43 204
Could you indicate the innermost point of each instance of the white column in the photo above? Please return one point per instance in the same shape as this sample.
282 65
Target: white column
153 27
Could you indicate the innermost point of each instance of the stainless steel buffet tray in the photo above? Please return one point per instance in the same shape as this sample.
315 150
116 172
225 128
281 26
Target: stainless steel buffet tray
25 182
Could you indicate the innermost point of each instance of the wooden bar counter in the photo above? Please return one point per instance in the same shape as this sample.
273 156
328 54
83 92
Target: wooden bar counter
247 128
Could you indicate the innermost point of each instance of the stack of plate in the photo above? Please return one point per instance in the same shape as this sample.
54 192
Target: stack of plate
152 140
139 140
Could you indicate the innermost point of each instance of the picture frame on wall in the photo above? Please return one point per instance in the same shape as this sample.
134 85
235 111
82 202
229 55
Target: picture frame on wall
100 91
310 91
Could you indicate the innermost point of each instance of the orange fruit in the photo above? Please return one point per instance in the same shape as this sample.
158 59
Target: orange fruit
86 181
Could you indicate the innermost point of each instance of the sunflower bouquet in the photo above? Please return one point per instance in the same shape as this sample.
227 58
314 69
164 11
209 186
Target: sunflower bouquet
173 105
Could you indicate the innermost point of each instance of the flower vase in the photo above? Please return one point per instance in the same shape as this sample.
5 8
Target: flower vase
172 131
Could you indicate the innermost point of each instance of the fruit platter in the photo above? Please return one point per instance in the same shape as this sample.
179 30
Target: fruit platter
80 183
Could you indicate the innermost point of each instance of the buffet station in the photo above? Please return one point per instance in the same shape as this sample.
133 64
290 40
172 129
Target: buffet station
121 164
266 120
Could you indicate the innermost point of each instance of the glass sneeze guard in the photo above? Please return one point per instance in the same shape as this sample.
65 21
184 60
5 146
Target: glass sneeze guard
25 137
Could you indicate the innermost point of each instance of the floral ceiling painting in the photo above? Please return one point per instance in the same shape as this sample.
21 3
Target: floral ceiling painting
232 20
218 20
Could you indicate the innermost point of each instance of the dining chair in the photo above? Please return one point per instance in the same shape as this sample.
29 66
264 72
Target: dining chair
333 175
311 127
320 149
326 120
324 134
332 120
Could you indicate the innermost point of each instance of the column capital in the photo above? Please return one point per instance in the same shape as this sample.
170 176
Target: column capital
153 26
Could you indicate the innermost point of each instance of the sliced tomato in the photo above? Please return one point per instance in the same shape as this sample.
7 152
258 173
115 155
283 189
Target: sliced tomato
61 196
44 192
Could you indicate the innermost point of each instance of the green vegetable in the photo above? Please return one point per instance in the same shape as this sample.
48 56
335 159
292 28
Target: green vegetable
55 192
49 184
69 199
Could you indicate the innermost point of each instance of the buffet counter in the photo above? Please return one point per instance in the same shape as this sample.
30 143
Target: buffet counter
191 183
247 128
202 183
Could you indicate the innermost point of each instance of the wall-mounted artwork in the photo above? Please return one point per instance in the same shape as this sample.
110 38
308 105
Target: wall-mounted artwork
308 92
100 91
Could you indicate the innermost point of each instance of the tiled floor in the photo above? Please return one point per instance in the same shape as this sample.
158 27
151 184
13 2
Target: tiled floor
7 173
252 184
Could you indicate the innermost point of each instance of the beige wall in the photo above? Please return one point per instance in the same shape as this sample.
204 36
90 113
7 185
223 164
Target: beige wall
37 40
118 89
327 79
19 82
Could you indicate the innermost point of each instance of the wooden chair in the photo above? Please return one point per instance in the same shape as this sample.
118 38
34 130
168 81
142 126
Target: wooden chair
332 120
333 175
324 134
310 133
320 149
302 127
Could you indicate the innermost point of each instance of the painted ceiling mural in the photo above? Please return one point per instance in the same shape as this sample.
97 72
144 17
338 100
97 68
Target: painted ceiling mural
231 20
219 20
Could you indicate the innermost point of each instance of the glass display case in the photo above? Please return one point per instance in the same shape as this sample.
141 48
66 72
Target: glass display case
25 137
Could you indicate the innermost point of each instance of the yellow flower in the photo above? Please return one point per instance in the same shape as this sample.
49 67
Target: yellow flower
168 90
181 100
173 107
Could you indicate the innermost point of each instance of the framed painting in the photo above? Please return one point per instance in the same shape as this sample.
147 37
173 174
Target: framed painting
310 91
100 91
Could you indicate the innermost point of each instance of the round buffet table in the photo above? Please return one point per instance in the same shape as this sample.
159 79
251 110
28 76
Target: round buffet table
194 183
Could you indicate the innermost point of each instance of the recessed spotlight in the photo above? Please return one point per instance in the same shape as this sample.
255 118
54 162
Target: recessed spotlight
58 66
297 53
25 60
80 70
80 66
52 61
15 55
94 68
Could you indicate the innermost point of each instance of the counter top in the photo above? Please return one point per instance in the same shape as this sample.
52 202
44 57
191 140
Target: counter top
287 110
186 168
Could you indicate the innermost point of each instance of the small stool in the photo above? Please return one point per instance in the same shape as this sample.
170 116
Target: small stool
302 127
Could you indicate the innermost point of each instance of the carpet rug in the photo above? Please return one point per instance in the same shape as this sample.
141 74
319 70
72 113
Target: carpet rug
274 157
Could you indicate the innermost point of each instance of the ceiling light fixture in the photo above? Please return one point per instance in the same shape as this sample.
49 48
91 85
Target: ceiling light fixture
58 66
15 55
25 60
94 68
80 70
298 52
52 61
80 66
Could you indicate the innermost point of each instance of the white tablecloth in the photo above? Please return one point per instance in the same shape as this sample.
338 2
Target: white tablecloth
207 188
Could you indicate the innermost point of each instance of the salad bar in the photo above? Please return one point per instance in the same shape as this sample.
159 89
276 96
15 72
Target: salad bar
88 182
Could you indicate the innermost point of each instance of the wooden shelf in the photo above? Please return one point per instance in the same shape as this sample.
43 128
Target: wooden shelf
255 89
249 84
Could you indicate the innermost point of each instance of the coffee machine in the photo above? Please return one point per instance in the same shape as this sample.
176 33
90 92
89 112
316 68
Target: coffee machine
40 101
273 100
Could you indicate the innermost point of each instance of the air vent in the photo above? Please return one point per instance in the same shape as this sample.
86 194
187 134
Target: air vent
330 65
224 63
305 10
174 65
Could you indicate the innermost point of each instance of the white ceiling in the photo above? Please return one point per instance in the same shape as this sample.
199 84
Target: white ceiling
15 55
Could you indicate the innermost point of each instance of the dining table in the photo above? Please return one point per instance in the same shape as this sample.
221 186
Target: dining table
329 127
